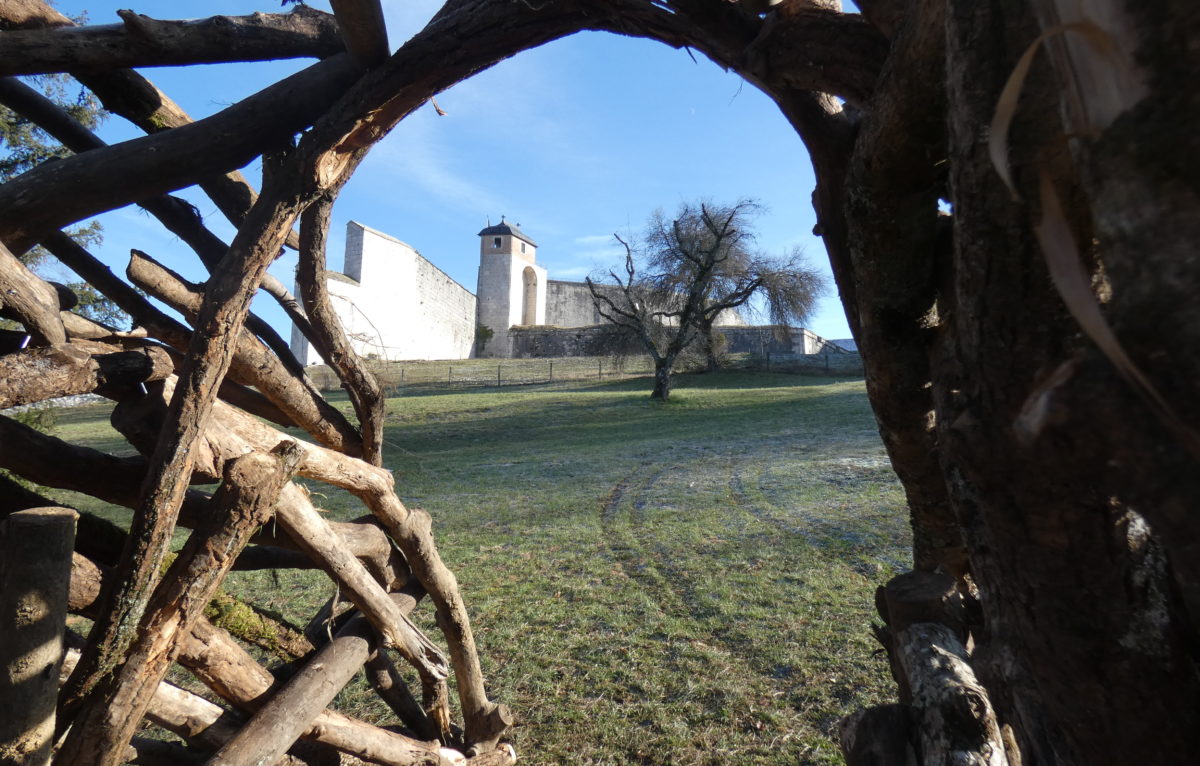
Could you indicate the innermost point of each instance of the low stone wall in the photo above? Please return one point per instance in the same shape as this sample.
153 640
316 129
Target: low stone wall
835 364
608 340
547 342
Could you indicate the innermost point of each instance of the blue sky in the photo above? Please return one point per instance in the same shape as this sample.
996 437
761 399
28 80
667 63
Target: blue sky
574 141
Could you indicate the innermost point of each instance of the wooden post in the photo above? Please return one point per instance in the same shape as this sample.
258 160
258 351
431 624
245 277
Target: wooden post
551 370
497 376
35 576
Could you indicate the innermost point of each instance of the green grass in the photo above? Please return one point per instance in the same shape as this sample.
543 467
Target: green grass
679 583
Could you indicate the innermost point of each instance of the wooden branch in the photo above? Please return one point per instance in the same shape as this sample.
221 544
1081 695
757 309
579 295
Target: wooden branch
143 751
898 261
179 216
504 755
232 433
295 396
170 471
953 714
56 194
127 93
924 597
189 716
30 14
35 570
222 665
145 42
329 337
184 220
107 721
383 677
885 15
52 462
33 301
281 721
48 116
159 325
485 721
312 532
363 30
103 541
228 435
79 367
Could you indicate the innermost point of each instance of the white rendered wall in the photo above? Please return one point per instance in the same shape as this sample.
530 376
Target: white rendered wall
394 304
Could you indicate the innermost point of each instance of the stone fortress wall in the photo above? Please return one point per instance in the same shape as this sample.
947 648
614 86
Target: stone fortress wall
569 304
396 305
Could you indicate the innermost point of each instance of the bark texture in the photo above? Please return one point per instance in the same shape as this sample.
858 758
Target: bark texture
145 42
35 573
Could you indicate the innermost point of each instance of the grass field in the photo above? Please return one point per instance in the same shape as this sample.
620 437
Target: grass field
680 583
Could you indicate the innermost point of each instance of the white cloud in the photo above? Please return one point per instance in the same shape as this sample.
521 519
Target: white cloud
415 156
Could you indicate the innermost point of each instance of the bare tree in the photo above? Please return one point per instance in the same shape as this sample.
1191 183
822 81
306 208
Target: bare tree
687 273
781 290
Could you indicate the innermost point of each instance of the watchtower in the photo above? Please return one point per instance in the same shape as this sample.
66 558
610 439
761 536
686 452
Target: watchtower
512 287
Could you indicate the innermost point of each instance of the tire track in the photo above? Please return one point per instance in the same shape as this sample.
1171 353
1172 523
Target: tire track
848 540
652 566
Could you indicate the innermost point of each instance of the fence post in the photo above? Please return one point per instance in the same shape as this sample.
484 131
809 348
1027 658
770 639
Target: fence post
449 374
826 365
768 361
600 369
551 370
497 376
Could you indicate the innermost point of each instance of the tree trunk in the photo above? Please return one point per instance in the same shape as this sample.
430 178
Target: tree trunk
35 573
1036 432
662 379
712 362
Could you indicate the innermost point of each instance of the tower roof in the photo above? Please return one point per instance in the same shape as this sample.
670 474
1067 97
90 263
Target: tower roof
504 227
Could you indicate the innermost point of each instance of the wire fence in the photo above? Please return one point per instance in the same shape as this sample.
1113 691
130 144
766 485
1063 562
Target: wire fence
465 373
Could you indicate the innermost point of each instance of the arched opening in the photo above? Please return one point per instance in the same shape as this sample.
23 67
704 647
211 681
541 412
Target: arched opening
529 302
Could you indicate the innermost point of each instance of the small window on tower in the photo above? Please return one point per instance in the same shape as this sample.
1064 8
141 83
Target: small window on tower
522 247
495 243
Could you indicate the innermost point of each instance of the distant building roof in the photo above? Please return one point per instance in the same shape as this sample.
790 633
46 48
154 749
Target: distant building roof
504 227
847 344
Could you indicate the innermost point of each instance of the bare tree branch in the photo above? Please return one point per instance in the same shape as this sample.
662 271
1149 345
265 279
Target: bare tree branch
179 216
30 300
145 42
77 367
295 396
161 326
329 337
362 26
56 194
